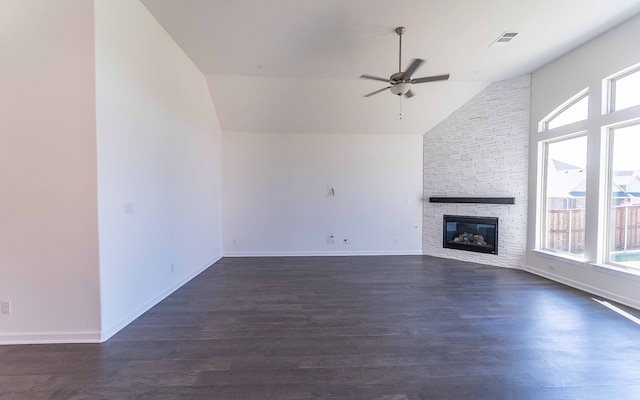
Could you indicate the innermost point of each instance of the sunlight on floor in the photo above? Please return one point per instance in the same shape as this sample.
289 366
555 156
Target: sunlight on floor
618 310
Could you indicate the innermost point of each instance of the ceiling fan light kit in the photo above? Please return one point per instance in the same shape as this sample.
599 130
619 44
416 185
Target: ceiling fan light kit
400 88
400 82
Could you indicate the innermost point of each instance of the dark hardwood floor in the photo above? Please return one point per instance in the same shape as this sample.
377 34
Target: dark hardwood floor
374 328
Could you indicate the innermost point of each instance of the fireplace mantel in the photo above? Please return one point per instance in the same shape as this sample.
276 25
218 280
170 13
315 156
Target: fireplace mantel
474 200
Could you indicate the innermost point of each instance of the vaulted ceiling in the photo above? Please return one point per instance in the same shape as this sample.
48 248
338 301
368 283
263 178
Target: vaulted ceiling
292 66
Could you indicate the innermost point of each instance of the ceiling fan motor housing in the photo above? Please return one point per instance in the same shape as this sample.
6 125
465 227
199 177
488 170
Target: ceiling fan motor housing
397 77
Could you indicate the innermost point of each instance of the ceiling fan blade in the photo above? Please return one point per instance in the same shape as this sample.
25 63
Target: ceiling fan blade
431 79
409 94
375 78
377 91
415 64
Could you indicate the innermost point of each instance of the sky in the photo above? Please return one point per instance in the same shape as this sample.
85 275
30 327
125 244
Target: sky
626 148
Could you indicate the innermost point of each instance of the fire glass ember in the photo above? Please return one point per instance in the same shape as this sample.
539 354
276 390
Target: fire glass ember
470 233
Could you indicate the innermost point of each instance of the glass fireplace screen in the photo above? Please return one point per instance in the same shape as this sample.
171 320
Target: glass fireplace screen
470 233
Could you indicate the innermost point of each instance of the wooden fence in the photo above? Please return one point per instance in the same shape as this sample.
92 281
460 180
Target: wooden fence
566 229
627 228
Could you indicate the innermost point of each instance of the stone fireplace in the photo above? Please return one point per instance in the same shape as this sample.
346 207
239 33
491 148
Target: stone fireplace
481 150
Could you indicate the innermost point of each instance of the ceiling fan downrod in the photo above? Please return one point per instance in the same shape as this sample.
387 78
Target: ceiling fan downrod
400 30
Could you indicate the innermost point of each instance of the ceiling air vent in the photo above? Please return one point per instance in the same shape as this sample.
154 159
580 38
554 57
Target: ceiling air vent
503 39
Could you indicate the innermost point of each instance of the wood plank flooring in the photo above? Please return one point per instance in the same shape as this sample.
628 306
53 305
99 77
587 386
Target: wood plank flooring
374 328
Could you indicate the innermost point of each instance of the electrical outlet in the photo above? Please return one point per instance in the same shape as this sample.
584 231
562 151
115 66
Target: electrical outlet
395 241
6 307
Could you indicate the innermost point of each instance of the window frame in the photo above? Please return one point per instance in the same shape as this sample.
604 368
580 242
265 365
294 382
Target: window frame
607 238
543 172
543 125
610 84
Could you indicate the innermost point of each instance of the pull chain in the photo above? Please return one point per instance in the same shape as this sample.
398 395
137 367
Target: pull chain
400 97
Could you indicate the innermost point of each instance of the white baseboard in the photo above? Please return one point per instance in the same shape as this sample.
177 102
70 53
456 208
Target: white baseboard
50 337
585 288
324 253
97 336
108 333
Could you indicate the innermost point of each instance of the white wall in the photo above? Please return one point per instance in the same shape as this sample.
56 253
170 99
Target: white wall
48 207
332 106
277 202
552 84
158 155
481 151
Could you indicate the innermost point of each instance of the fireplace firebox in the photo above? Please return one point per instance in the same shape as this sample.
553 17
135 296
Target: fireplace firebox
469 233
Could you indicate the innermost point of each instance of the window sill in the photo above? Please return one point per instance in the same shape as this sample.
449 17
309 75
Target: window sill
623 272
575 261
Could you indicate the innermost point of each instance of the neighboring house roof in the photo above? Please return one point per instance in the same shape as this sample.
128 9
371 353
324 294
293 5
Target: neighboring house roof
566 180
569 181
563 166
629 181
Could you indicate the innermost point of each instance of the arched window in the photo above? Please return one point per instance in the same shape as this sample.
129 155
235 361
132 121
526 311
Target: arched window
563 191
611 228
573 110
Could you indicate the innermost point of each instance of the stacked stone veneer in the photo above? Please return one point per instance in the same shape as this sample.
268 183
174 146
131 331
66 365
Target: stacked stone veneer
481 150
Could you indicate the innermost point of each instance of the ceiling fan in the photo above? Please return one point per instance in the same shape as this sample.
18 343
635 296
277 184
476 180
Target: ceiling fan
400 82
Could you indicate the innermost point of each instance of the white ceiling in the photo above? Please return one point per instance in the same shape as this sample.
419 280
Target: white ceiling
293 65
